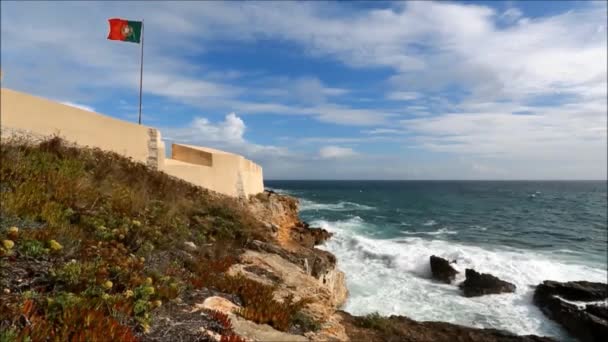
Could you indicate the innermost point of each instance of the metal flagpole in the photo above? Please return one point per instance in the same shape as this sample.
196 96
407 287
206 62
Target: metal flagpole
141 67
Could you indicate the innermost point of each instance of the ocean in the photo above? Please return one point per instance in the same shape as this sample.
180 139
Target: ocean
523 232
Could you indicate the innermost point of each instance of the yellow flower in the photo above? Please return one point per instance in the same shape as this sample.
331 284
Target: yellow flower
157 303
128 293
105 296
107 285
148 281
150 290
8 244
55 246
136 223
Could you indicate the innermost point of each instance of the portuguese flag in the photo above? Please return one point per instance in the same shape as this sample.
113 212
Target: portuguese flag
125 30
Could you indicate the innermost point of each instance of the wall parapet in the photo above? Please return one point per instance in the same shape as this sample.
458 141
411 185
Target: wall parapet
26 115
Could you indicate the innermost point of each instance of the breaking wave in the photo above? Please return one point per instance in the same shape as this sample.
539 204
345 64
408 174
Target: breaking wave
392 276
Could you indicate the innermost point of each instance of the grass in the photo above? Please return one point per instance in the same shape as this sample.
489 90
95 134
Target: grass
93 230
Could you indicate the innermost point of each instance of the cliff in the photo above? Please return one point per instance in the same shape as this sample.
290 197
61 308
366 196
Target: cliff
98 247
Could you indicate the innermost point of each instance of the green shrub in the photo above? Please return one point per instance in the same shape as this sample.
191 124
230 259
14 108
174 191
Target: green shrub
32 248
374 321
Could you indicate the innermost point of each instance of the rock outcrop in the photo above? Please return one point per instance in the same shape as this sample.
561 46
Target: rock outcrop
399 328
295 267
586 322
279 213
479 284
442 270
309 237
326 293
244 328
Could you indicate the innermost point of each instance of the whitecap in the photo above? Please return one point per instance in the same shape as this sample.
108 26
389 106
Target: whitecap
392 276
306 205
441 231
429 223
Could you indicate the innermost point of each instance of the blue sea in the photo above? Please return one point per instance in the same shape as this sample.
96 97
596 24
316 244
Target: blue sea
521 231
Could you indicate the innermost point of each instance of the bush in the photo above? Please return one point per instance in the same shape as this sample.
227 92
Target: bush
374 321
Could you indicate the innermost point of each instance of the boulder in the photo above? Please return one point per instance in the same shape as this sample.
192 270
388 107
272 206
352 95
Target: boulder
326 292
598 310
217 303
479 284
442 270
573 290
251 331
586 322
308 237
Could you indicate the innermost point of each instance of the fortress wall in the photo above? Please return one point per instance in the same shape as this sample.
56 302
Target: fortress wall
224 172
220 171
30 114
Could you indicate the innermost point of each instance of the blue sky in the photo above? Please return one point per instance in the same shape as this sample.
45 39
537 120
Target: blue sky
339 90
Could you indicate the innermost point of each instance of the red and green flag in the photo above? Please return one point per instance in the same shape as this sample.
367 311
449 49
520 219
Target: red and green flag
125 30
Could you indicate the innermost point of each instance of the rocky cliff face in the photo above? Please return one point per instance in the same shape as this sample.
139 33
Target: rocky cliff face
294 265
297 268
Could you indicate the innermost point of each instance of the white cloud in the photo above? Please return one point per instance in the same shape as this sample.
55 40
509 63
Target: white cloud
511 14
500 61
231 130
336 152
79 106
402 95
574 133
378 131
226 135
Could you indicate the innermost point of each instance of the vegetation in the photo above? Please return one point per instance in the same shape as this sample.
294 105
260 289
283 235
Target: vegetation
374 321
92 245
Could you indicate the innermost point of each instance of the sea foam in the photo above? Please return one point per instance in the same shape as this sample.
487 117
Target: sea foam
306 205
392 276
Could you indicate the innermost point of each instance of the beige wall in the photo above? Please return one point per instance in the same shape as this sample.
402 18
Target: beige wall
31 114
224 172
216 170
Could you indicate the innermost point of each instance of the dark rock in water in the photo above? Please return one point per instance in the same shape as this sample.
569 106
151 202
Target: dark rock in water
588 323
479 284
441 269
574 290
600 311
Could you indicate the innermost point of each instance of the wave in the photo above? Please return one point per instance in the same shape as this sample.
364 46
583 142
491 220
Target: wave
429 223
441 231
392 276
306 205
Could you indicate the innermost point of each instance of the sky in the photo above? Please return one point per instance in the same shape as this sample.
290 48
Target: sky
338 90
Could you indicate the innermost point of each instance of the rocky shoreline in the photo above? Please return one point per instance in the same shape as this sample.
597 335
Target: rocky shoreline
303 271
153 258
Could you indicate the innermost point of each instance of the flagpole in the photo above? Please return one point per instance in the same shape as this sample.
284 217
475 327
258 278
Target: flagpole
141 67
